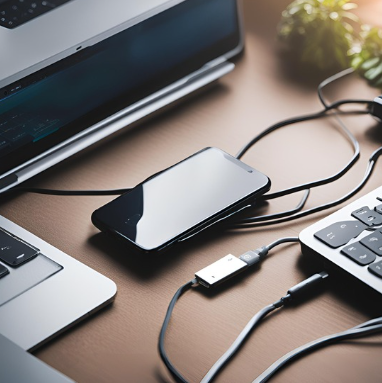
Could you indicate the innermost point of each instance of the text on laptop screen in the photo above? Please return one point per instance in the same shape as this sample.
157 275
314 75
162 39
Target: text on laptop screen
54 104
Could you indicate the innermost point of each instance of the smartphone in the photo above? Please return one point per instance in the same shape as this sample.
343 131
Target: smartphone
181 201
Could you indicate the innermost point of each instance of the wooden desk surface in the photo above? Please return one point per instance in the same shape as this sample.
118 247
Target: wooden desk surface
119 344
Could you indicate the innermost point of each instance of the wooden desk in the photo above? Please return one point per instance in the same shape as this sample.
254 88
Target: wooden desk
120 343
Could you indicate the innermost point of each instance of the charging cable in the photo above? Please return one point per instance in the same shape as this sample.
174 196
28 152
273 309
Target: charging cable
367 328
229 266
293 294
372 108
219 272
282 217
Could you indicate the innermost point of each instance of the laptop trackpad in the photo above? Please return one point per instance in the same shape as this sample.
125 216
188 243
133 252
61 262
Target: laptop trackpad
21 279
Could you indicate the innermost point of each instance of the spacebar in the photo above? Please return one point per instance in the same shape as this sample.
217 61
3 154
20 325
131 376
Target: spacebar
22 279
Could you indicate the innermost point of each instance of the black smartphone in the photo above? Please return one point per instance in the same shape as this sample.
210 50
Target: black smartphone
181 201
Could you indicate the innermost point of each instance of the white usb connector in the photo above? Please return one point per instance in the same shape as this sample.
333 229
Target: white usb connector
220 271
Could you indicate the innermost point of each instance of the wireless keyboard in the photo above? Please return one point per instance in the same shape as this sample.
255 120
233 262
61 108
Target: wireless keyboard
351 239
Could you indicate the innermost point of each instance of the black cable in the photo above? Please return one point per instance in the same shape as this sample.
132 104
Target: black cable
372 162
343 171
286 213
253 220
349 135
252 324
177 376
333 78
263 251
66 192
316 183
260 253
281 241
294 292
355 332
327 180
295 120
330 80
337 104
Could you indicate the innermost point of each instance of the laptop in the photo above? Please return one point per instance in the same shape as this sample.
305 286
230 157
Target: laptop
88 68
73 73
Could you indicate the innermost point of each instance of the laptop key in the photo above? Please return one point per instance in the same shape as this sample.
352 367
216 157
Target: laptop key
359 253
3 271
368 217
373 242
376 269
378 209
13 252
340 233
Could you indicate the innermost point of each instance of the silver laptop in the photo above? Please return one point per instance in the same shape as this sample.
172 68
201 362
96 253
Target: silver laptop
71 73
87 68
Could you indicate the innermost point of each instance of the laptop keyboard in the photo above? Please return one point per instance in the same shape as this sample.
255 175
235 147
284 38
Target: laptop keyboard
22 266
14 13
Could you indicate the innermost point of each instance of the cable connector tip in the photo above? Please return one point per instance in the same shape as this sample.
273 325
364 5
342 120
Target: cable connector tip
300 289
252 257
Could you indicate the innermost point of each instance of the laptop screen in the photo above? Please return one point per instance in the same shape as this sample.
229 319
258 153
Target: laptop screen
60 101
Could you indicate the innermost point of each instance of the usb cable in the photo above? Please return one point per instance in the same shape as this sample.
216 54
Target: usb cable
226 268
219 272
293 293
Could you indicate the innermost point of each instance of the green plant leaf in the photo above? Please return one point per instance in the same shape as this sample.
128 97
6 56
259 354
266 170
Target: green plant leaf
319 32
368 62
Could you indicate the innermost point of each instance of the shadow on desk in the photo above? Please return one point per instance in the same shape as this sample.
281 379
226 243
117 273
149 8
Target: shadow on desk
345 288
150 266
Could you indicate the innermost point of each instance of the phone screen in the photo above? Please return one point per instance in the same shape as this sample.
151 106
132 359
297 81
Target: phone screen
181 198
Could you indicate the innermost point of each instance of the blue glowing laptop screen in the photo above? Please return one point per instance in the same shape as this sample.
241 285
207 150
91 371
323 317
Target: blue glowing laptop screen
60 101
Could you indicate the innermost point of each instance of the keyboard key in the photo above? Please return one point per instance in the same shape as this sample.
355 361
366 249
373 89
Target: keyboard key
3 271
376 269
359 253
17 12
340 233
368 217
378 209
373 242
13 252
